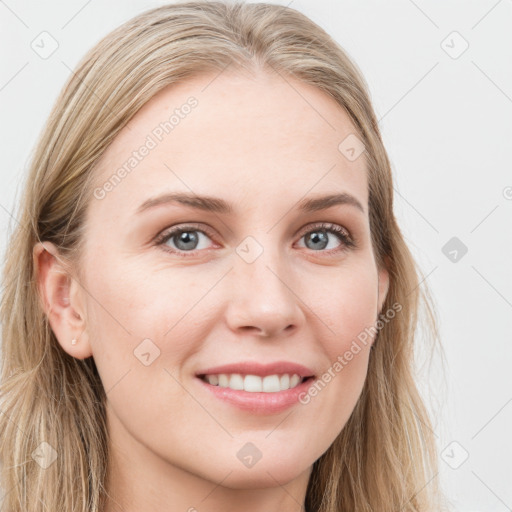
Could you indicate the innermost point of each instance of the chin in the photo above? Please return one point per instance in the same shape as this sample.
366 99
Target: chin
270 475
270 471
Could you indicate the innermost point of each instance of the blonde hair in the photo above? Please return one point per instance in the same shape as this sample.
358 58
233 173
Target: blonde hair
385 457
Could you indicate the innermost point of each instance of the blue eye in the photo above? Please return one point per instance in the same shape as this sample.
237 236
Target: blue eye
319 236
188 238
184 239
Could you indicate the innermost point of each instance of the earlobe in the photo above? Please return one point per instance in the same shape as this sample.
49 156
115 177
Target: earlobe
60 299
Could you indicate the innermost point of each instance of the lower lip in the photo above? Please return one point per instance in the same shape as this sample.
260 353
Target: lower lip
258 402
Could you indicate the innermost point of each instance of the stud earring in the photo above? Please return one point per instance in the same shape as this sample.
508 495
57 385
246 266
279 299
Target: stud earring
73 342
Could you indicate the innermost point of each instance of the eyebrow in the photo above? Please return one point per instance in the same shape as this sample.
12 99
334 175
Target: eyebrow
217 205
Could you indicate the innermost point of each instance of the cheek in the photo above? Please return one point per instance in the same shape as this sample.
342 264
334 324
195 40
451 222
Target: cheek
133 312
349 309
348 306
142 329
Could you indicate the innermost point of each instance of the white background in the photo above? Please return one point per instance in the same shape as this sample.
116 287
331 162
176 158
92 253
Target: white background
447 126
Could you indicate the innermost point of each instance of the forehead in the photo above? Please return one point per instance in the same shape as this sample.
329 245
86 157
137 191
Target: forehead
231 134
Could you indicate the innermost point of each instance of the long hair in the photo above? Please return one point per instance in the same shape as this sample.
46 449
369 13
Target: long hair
53 405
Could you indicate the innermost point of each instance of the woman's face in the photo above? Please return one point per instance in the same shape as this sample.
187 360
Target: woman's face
251 278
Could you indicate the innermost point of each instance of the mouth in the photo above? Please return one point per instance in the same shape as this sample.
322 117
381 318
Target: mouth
274 383
256 387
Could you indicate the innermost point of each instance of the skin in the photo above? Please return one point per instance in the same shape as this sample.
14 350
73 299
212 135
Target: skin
263 144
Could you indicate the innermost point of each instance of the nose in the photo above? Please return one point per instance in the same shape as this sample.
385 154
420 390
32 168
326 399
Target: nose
262 300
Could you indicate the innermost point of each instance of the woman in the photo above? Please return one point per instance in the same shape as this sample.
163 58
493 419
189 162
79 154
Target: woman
208 302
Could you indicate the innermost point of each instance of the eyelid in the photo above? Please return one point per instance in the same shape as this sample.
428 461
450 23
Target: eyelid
186 226
327 226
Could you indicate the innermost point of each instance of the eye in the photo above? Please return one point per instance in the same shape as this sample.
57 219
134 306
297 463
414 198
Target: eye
318 239
189 238
183 239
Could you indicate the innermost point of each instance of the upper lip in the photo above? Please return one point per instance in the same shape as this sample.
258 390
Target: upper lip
253 368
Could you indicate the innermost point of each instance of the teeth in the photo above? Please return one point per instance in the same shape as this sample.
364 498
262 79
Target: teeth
255 383
271 384
252 383
236 381
294 380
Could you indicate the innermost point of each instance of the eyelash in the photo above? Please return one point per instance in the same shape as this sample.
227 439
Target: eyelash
341 233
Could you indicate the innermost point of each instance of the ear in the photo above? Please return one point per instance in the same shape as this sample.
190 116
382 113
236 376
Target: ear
383 277
62 299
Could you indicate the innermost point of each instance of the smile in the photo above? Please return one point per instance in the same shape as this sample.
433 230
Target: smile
255 383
